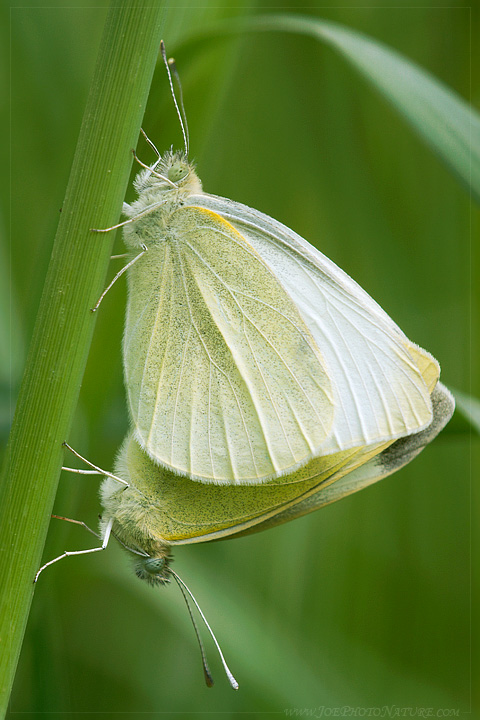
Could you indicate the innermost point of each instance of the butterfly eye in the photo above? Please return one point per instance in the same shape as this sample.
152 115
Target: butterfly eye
177 172
153 570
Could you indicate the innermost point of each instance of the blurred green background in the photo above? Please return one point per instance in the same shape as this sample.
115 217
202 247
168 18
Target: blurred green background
365 603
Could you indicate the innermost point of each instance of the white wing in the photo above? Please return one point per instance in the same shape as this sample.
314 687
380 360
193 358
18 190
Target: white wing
395 457
378 390
225 382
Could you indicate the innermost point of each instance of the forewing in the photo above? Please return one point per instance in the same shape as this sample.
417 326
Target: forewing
224 379
365 468
162 506
378 390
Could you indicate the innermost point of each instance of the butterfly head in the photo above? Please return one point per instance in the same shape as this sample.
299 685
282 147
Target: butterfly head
155 570
172 172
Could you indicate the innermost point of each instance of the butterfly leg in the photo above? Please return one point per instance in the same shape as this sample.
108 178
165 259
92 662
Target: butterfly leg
95 471
119 273
150 143
76 522
68 553
147 211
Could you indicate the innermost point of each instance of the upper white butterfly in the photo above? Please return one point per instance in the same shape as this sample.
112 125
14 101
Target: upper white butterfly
247 352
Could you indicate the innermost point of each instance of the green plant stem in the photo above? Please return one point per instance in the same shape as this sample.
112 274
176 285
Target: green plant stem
64 325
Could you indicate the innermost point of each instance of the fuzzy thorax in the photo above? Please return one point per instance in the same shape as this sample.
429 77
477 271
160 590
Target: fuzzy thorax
161 188
132 513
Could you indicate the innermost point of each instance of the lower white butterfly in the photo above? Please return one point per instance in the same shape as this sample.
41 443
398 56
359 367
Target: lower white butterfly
247 352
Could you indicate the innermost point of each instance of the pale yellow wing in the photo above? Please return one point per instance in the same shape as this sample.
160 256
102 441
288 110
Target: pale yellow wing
161 508
225 382
363 469
376 373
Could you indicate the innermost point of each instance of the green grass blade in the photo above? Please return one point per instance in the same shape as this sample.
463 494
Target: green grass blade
469 407
443 119
64 325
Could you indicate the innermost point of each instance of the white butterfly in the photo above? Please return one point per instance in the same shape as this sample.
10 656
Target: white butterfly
248 353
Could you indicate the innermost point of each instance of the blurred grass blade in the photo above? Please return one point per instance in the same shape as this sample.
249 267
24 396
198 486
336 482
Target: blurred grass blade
64 325
469 407
11 339
11 330
442 118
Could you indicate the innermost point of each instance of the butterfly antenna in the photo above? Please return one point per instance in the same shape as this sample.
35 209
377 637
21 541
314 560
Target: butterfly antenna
183 587
206 669
181 115
173 67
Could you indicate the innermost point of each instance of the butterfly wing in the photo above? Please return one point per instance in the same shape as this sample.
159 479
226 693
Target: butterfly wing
376 373
160 507
225 382
365 469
